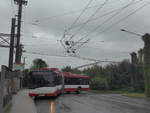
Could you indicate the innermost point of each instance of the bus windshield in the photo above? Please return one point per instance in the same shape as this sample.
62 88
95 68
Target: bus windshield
42 79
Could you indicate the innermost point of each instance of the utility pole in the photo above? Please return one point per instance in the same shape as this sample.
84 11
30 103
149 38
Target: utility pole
24 60
146 39
20 4
2 83
11 50
146 54
134 61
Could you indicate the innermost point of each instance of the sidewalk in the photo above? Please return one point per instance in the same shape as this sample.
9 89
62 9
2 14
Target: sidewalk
22 103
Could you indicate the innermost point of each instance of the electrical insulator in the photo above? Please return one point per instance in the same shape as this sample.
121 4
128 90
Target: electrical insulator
73 51
67 43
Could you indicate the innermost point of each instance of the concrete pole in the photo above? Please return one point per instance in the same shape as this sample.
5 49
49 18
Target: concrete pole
146 39
18 54
134 61
11 50
2 79
19 19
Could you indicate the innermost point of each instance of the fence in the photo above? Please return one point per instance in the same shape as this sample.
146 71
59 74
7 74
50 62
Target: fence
9 84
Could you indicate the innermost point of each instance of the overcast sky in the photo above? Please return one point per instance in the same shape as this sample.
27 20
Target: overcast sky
44 22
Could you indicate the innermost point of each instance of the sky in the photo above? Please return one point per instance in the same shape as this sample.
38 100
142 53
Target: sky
44 23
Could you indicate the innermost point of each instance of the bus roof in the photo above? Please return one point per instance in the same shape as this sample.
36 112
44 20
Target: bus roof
72 75
48 69
51 69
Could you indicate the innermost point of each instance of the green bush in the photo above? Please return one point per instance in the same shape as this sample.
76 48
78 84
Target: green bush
98 83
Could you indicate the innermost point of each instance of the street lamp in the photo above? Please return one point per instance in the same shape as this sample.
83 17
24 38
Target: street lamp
131 32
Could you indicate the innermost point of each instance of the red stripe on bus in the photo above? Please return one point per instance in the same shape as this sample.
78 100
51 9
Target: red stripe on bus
76 89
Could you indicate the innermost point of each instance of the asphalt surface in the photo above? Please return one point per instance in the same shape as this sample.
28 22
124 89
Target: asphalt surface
92 103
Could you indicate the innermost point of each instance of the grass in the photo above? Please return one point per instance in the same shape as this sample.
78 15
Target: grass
108 91
124 93
136 95
7 108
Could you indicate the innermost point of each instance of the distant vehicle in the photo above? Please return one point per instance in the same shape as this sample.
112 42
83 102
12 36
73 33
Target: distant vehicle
75 82
53 82
46 82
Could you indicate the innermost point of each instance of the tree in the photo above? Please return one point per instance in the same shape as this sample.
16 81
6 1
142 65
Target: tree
67 69
39 63
115 76
99 83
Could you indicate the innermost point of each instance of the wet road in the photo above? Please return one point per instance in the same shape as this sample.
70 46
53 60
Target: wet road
93 103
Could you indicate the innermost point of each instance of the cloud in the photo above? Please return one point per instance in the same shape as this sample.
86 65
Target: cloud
43 36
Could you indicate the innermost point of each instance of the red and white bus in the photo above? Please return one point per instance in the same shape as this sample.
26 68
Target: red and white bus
75 82
46 82
52 82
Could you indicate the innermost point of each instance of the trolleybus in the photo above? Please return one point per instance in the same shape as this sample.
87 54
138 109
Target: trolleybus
75 82
46 82
52 82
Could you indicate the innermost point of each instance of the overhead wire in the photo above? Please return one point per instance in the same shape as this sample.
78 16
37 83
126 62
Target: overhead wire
68 13
37 21
119 10
91 59
75 21
124 18
36 53
82 12
107 20
75 56
82 44
89 39
95 63
103 15
97 10
84 58
79 57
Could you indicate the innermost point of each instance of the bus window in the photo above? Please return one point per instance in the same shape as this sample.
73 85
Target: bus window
42 79
66 81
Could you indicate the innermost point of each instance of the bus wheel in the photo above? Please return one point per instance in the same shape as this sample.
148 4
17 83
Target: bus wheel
35 97
68 92
78 91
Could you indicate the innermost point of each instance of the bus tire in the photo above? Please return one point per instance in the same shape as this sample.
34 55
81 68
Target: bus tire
68 92
35 97
77 92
